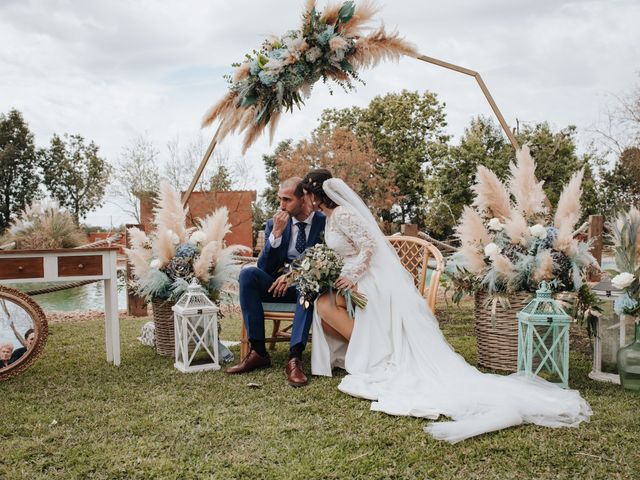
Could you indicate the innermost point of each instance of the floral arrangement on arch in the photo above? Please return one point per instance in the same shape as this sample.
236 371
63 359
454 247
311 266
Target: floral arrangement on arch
511 241
167 260
625 234
329 45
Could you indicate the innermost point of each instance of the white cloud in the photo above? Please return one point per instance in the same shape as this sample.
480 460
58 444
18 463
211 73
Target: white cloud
111 70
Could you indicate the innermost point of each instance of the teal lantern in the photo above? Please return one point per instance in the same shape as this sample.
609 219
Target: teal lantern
543 337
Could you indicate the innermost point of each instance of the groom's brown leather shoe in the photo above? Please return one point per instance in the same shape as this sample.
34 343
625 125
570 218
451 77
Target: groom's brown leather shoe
295 373
251 362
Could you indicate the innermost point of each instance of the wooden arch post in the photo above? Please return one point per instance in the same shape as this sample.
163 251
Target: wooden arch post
424 58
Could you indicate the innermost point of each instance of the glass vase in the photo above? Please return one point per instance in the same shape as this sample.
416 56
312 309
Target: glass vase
629 362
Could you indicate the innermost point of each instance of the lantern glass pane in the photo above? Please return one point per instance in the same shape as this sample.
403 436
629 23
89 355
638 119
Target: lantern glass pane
609 333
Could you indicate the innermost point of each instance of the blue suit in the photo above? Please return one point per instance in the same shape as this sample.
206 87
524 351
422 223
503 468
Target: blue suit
255 281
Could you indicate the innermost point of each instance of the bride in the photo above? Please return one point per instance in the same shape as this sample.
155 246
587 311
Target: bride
393 349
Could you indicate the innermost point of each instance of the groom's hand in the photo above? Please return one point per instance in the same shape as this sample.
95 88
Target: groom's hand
279 287
280 221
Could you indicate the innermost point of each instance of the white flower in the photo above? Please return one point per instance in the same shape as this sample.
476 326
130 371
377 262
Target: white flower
174 237
295 45
538 231
155 263
275 65
313 54
622 280
197 237
495 225
491 249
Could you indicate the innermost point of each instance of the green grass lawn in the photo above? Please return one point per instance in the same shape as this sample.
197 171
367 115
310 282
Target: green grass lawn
71 415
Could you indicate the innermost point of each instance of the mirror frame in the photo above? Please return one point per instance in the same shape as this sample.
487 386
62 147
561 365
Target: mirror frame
40 325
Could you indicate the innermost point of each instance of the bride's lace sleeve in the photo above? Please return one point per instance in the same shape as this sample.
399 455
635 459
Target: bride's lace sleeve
354 229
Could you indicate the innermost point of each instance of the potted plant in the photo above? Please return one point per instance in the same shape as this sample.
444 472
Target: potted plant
625 233
510 242
165 261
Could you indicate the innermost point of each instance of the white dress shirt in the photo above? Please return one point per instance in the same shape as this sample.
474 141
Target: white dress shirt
291 251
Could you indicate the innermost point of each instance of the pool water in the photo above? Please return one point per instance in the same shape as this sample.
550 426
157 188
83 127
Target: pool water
86 297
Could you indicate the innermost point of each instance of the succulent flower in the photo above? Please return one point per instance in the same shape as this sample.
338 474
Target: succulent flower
197 237
623 280
539 231
495 225
491 249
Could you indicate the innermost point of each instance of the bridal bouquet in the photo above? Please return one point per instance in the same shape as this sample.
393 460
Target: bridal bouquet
316 273
165 261
625 233
511 241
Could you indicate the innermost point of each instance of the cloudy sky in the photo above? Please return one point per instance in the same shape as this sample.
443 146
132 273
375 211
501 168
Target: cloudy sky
112 70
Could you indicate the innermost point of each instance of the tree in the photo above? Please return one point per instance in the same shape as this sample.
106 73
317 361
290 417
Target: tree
270 194
448 188
19 167
623 123
75 174
136 175
555 156
183 162
221 180
407 131
619 187
347 157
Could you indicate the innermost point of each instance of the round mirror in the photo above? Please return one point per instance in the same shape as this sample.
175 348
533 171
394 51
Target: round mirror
23 331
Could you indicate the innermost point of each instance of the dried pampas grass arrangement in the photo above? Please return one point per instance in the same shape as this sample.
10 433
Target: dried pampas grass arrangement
508 243
171 256
330 45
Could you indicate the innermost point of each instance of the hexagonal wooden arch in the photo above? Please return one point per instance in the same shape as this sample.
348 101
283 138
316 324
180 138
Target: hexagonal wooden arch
424 58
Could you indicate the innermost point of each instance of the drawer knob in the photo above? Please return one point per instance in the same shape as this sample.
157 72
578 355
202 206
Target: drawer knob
20 268
80 266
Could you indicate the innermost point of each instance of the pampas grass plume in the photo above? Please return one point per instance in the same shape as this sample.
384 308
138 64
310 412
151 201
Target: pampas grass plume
215 226
163 247
364 13
471 258
526 190
137 238
516 228
491 194
379 46
568 213
544 267
169 213
503 266
207 259
568 210
139 259
471 229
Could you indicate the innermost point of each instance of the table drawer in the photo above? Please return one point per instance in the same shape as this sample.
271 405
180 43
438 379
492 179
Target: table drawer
25 267
79 265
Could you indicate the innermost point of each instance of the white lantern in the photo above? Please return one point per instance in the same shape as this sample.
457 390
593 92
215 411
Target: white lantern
611 332
196 331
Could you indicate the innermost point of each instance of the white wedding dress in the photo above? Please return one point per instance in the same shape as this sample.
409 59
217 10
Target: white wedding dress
399 358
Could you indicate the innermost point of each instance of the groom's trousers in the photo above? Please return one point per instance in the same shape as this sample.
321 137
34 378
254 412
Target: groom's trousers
254 284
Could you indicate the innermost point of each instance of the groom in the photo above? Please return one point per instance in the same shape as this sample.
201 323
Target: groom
294 228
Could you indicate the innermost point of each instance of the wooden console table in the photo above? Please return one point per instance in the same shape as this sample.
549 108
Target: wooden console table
71 265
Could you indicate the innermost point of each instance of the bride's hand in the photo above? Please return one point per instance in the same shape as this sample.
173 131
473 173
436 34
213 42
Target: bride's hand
344 283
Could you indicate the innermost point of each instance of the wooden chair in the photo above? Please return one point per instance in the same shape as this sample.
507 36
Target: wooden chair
421 259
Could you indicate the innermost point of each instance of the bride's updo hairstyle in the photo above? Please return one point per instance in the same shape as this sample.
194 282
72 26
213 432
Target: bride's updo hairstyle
312 183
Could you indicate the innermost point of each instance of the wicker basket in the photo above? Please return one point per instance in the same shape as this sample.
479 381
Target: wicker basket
164 330
498 339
